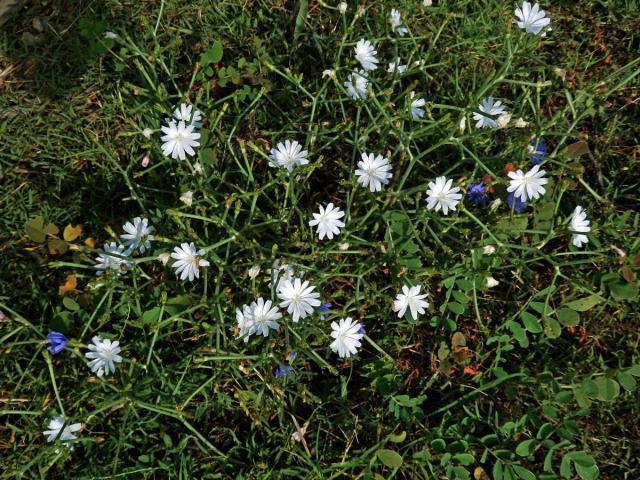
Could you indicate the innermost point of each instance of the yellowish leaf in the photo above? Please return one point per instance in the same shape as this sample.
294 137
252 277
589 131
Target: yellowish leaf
71 233
90 242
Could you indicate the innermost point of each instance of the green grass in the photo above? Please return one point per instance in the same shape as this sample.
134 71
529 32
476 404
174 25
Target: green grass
543 391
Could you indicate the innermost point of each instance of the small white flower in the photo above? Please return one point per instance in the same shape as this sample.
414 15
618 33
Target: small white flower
489 112
527 186
520 123
579 226
366 55
489 250
264 317
373 171
396 66
147 132
462 125
410 298
357 84
503 120
110 35
396 23
491 282
343 247
253 272
164 258
342 7
179 140
244 320
329 73
298 298
288 155
145 161
198 168
417 112
108 261
188 261
531 19
103 355
187 198
56 431
328 221
188 115
347 337
427 3
138 234
442 196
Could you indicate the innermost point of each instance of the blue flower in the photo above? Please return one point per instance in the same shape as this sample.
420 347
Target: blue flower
291 356
362 330
519 207
283 370
477 194
537 150
58 341
324 308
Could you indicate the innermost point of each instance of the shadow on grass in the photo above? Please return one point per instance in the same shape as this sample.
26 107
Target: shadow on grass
49 46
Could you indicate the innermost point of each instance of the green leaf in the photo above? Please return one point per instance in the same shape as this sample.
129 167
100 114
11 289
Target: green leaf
460 297
530 322
551 327
390 458
497 470
455 307
525 448
565 467
213 55
581 397
621 290
587 473
568 317
581 458
397 438
70 304
464 284
464 458
608 389
34 227
523 473
518 333
627 381
634 370
583 304
438 445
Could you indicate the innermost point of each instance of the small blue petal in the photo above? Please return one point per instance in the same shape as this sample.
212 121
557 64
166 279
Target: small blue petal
57 342
284 370
477 194
519 207
537 150
324 308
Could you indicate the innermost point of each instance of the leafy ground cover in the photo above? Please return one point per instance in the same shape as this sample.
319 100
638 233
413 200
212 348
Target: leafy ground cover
533 377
